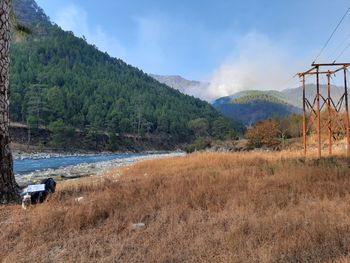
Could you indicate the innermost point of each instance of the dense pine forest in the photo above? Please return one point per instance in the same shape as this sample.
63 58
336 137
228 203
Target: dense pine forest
61 82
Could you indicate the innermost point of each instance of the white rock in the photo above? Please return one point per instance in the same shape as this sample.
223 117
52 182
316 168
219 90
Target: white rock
79 199
138 226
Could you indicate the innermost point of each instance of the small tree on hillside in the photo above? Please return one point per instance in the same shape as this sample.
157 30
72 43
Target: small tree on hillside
296 125
63 136
283 129
199 126
222 129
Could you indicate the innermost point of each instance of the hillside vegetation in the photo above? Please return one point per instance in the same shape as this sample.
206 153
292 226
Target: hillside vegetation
250 107
251 207
60 81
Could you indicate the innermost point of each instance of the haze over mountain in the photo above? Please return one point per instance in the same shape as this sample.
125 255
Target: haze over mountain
251 106
189 87
61 81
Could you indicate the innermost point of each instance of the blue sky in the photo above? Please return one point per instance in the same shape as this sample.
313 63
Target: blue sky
229 43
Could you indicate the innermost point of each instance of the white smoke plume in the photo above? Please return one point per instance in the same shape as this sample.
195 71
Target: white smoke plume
258 63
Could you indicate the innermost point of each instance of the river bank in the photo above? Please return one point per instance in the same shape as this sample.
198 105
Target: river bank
41 141
71 166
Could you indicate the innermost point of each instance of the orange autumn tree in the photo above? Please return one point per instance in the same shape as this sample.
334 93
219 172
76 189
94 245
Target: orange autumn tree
264 133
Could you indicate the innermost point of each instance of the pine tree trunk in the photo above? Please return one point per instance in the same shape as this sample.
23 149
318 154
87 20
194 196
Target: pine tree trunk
8 187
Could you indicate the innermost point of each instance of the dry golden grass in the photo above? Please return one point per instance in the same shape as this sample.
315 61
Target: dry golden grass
251 207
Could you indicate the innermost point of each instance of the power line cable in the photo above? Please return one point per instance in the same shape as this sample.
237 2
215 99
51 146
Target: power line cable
338 48
331 36
343 51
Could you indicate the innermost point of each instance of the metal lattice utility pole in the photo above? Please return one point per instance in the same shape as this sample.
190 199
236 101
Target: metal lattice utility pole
347 113
312 109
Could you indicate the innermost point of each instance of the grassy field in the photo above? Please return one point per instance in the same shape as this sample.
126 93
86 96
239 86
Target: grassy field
214 207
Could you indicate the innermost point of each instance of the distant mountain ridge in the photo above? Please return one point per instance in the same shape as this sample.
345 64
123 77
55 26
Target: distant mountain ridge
29 13
294 95
32 16
252 106
189 87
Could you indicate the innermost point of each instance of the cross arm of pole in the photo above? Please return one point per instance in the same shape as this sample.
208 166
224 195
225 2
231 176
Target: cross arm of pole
330 64
320 72
319 65
307 72
339 69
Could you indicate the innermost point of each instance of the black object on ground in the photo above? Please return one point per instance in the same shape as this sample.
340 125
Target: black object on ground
35 194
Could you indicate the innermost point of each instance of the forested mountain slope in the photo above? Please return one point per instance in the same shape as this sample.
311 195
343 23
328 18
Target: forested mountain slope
60 79
253 106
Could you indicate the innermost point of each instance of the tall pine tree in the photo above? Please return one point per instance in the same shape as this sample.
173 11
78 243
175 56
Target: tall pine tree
8 187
